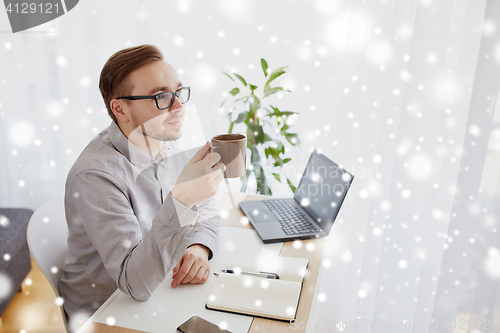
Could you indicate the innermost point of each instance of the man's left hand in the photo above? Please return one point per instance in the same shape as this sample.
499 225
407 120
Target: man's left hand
192 267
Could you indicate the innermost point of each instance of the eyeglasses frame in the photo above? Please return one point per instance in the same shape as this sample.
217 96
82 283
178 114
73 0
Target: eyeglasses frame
155 97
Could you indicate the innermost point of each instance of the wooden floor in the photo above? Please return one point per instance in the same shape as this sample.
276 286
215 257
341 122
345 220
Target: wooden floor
34 309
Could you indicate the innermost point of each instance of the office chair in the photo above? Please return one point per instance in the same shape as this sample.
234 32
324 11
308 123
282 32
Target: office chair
47 240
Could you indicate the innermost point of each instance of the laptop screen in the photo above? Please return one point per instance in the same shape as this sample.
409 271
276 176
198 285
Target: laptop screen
322 189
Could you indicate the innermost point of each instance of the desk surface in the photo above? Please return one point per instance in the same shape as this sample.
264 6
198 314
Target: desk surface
311 249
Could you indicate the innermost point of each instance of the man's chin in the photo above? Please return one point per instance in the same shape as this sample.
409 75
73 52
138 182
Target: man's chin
168 133
172 134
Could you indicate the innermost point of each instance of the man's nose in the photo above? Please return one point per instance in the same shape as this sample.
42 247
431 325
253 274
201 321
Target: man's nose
176 105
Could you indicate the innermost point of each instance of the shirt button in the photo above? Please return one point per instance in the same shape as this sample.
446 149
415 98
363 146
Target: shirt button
164 197
143 164
193 223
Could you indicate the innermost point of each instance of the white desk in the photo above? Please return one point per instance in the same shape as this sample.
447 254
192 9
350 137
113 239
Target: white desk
156 314
168 307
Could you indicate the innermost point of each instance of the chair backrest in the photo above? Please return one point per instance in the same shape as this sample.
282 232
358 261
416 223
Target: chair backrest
47 240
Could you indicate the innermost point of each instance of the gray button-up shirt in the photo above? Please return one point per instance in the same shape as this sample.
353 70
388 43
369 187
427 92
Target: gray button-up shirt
125 229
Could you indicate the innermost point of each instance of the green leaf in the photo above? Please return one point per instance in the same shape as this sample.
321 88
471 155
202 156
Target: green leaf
284 128
275 74
278 113
262 186
241 79
254 107
268 151
244 181
264 66
290 136
281 148
267 137
235 91
254 98
269 91
286 160
282 113
255 156
293 188
257 132
277 176
229 76
273 152
252 87
274 108
241 117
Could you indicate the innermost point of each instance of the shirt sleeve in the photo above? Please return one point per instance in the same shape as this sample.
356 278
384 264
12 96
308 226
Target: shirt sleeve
206 230
137 263
208 226
187 216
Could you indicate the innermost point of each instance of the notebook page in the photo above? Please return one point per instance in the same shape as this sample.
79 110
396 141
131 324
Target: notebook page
255 296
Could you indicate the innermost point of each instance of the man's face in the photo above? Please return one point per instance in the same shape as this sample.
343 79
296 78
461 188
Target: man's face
151 79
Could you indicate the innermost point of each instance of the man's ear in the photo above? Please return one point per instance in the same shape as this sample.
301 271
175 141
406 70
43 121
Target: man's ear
118 110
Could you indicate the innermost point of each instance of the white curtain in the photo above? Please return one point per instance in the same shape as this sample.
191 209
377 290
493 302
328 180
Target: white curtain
417 250
400 92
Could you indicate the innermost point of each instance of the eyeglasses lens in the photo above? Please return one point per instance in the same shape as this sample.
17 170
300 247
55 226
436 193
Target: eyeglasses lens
165 100
184 95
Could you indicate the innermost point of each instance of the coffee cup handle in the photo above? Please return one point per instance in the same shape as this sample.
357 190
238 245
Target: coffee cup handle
210 150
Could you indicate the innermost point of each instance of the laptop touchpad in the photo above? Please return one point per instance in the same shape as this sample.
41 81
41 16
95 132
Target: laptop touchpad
263 216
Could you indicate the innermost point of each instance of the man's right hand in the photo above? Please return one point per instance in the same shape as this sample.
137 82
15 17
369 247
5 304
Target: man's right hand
199 181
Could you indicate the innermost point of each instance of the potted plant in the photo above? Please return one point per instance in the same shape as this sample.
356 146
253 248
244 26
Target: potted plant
267 127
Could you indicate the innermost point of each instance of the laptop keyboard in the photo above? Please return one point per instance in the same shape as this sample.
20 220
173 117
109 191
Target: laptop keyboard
292 220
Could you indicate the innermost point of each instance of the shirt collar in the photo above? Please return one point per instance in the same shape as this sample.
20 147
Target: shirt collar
135 155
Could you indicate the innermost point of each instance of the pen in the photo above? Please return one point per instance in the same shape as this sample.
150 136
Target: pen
267 275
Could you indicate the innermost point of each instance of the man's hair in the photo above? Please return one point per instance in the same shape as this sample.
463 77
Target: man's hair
113 80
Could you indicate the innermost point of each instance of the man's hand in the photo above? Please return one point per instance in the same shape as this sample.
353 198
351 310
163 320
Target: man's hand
192 267
200 178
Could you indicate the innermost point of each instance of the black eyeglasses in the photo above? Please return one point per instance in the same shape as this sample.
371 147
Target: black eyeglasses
165 99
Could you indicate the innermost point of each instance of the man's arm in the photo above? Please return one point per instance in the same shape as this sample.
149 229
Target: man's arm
207 228
193 266
137 263
206 236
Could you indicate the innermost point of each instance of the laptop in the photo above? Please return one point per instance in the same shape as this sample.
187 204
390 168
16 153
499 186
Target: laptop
312 210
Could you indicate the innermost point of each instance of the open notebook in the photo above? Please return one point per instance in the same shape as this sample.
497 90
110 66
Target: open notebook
260 296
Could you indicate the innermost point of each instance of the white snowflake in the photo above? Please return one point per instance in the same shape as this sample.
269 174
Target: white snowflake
5 286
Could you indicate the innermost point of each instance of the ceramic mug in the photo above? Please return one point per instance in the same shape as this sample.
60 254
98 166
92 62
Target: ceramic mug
232 149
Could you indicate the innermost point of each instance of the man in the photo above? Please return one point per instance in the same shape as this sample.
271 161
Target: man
127 225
